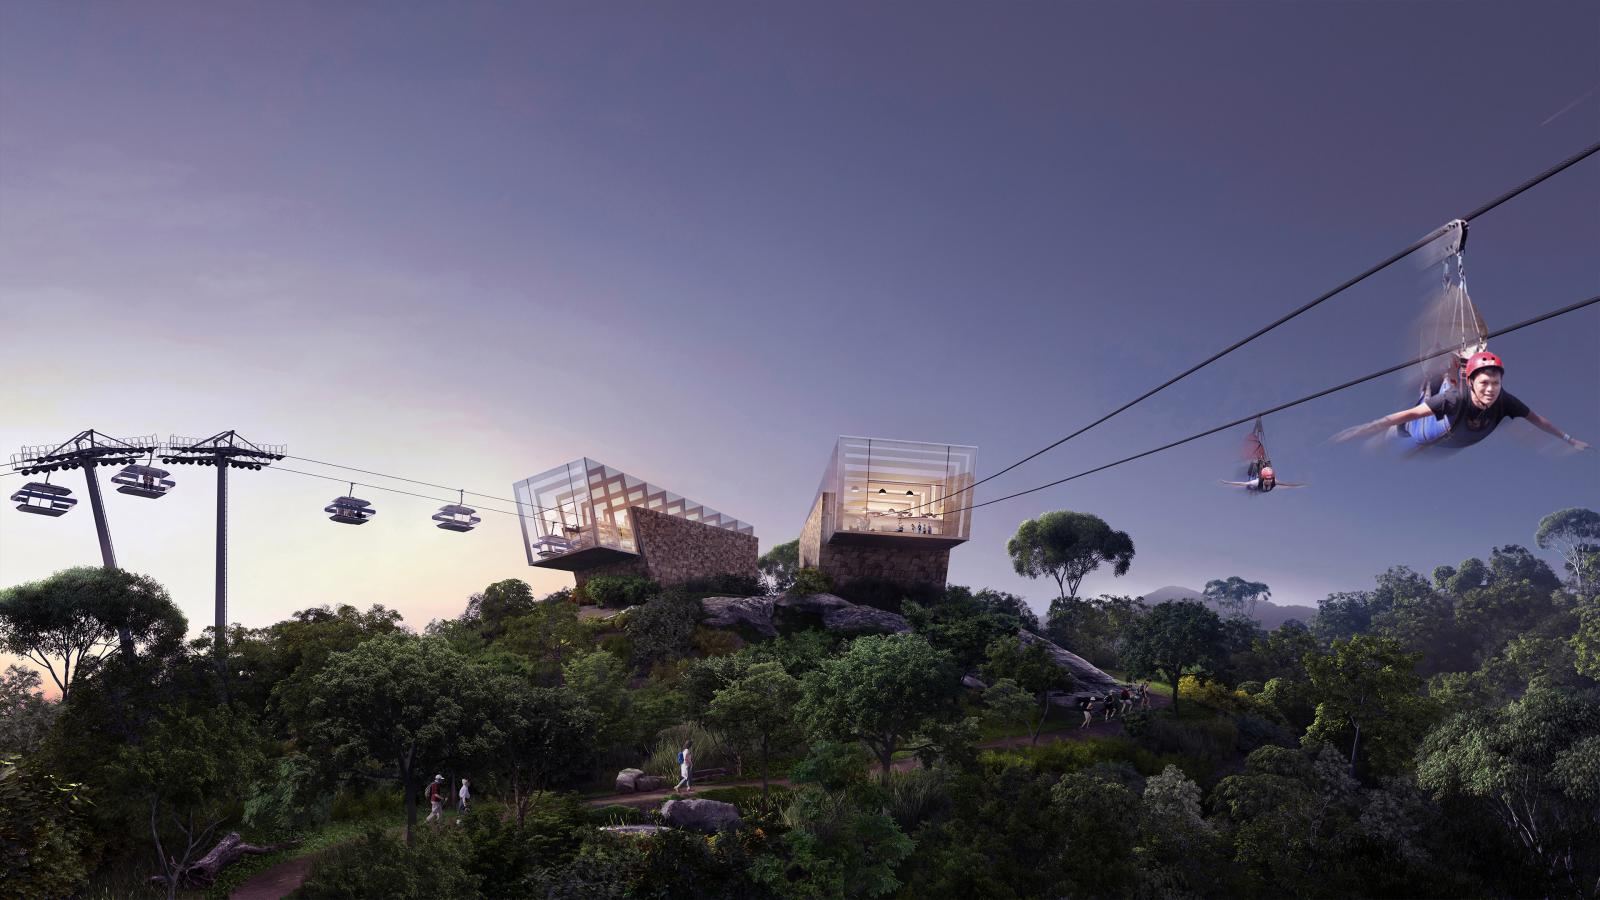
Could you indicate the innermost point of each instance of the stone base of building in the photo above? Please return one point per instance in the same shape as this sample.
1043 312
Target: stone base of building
674 550
904 562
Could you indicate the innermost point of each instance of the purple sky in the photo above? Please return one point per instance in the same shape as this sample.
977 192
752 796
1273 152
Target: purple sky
468 242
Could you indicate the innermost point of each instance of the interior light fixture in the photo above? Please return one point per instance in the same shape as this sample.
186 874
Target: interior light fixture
883 490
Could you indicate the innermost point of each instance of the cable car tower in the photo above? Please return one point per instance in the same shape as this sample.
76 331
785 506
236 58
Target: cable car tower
86 450
225 451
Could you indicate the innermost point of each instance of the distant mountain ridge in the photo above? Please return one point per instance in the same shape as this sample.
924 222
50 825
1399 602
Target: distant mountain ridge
1268 614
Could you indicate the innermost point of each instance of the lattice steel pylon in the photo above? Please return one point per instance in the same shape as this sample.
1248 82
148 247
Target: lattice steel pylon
226 450
87 450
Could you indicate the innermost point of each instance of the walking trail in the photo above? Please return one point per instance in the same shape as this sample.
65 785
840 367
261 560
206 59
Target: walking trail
280 880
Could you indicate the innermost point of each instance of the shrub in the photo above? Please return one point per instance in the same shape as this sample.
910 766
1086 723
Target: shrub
916 796
1258 731
1206 741
663 629
766 814
616 814
292 799
378 865
351 805
504 852
888 594
618 645
810 581
1061 757
618 591
724 585
716 642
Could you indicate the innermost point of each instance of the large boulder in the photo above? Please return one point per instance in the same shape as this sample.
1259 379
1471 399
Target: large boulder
701 815
1083 672
752 614
645 783
628 780
864 620
817 604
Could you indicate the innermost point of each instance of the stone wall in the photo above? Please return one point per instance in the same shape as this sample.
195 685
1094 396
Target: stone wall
845 563
811 535
674 550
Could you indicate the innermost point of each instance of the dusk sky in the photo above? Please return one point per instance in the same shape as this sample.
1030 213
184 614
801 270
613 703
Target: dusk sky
466 242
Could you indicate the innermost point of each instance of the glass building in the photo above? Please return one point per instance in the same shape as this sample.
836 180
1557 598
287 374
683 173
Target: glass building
909 493
575 516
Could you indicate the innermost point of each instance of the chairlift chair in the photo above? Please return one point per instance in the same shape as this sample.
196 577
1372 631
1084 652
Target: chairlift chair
143 481
350 510
456 517
44 499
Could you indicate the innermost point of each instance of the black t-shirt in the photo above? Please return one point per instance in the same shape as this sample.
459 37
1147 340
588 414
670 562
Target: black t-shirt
1468 423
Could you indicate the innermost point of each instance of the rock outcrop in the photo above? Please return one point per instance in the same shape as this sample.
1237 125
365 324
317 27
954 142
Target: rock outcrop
752 614
864 620
1083 672
628 780
701 815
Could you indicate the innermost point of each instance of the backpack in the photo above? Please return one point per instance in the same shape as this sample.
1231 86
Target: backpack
680 757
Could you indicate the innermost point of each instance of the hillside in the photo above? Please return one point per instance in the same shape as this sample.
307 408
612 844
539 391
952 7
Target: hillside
1270 615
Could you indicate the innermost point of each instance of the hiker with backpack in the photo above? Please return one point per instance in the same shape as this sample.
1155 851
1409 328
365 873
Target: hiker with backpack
436 792
686 766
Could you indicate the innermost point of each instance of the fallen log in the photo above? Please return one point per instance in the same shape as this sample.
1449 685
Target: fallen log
204 871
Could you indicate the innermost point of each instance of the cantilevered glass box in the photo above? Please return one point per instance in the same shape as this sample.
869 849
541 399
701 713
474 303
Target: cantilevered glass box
576 516
878 491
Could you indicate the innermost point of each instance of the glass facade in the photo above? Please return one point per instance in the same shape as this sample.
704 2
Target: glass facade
905 488
584 505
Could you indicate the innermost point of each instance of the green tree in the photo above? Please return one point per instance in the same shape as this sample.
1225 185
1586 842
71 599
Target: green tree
25 715
500 601
42 833
1093 627
1068 546
548 740
1237 595
1574 533
191 771
1585 640
963 624
779 565
400 701
78 615
881 691
548 636
1367 688
1029 666
1175 638
1535 768
277 665
600 681
757 711
841 843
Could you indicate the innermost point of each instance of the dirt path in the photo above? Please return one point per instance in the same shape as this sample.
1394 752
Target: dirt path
283 878
277 881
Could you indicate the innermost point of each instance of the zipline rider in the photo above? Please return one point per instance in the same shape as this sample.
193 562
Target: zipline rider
1458 417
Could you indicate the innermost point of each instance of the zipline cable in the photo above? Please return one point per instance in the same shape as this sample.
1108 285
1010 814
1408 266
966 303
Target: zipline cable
1433 236
1279 408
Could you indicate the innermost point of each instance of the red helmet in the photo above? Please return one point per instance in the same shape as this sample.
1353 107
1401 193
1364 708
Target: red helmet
1266 472
1484 360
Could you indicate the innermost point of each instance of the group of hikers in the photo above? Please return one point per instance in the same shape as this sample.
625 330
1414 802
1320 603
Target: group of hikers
439 791
1116 701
